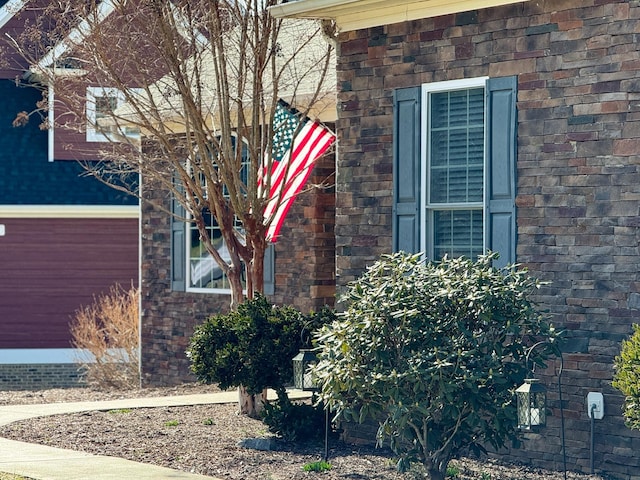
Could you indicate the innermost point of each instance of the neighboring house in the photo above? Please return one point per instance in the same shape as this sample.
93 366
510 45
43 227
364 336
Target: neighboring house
179 285
507 125
64 236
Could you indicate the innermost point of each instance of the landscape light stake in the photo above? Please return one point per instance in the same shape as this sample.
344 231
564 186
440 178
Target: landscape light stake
532 401
303 380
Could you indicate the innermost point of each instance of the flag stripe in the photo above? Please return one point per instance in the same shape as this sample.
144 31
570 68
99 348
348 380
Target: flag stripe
303 161
292 189
308 136
304 154
294 186
288 176
285 166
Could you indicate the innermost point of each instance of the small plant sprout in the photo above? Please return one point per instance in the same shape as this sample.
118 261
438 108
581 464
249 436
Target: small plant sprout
319 466
171 423
453 471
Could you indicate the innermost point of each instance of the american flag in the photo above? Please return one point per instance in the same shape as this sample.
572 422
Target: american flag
292 160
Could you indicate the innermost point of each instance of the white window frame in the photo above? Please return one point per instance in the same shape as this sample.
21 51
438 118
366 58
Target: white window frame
426 227
188 286
93 133
187 252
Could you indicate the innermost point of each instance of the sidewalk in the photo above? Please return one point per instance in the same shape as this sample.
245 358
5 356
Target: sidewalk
48 463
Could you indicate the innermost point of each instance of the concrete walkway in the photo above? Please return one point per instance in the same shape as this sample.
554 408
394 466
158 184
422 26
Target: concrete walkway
48 463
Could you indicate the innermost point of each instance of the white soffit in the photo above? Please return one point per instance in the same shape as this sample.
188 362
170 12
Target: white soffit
357 14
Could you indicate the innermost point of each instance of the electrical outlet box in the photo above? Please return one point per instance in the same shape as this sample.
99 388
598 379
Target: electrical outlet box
2 231
595 405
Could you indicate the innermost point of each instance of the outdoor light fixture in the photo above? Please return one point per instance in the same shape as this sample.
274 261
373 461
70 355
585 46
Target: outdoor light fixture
303 380
531 399
532 404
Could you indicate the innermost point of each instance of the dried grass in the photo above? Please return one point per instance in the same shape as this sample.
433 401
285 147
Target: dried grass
106 334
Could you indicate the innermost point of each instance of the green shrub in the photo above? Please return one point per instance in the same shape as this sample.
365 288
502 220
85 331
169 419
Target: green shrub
295 422
252 346
627 377
435 350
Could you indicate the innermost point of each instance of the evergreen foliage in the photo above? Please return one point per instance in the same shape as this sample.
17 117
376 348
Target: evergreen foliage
627 377
434 351
252 346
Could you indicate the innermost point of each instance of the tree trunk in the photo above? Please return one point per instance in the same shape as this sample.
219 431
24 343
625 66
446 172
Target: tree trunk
436 466
435 474
235 282
251 405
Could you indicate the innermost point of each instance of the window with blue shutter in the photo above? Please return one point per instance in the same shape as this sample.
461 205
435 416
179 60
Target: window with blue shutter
455 143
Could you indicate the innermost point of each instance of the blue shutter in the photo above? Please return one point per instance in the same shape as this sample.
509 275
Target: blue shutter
406 170
501 175
269 270
178 246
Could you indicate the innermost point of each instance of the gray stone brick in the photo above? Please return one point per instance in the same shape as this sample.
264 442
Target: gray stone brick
578 205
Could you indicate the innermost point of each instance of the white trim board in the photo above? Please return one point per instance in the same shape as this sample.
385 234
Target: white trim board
46 356
30 356
69 211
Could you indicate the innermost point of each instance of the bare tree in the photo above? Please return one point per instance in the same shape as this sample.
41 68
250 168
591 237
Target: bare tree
184 93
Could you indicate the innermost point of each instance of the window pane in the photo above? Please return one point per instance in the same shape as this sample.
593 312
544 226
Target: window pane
204 270
457 233
439 110
456 146
458 108
105 105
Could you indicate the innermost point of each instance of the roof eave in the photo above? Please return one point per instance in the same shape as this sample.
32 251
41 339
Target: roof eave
358 14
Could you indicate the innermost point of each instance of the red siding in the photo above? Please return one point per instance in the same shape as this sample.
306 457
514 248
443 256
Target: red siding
50 267
70 144
12 64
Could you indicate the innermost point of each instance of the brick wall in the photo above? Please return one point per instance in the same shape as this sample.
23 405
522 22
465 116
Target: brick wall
578 67
40 376
305 278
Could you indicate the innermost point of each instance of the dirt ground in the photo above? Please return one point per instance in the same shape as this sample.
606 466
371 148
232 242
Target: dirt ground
205 440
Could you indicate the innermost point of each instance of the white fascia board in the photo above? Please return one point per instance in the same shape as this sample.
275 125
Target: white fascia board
51 121
9 9
307 8
77 35
69 211
185 30
358 14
